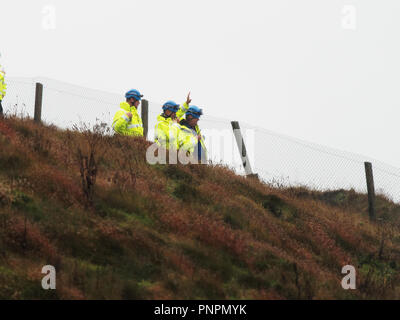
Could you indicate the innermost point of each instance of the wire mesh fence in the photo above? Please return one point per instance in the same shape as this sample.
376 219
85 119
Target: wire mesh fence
278 159
20 96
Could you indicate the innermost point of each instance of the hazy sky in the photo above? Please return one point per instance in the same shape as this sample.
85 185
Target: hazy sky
316 70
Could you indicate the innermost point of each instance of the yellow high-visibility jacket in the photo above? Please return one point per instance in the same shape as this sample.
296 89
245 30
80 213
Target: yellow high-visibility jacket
166 132
125 126
184 141
188 141
3 86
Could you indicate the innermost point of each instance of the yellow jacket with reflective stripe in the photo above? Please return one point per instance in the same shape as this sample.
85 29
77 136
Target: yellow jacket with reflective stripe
181 115
188 141
3 86
166 132
184 140
125 126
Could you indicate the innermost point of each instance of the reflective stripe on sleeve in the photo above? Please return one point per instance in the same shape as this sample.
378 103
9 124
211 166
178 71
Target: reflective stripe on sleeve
134 126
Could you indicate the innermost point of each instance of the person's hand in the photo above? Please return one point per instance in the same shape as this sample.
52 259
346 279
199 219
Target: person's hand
199 137
129 115
188 100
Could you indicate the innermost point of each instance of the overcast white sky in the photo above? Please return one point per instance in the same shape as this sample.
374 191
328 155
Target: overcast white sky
291 66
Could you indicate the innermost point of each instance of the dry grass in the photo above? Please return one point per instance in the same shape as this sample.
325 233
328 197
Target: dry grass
116 227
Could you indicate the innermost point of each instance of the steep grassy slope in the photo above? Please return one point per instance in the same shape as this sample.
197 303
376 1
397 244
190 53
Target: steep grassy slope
115 227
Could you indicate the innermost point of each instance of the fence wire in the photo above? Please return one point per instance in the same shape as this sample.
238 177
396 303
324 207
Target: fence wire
20 96
278 159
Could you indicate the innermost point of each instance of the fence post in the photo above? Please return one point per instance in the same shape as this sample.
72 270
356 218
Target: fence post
371 190
242 149
38 102
145 117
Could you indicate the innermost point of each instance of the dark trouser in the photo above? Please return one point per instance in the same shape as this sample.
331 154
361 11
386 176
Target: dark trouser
200 154
1 109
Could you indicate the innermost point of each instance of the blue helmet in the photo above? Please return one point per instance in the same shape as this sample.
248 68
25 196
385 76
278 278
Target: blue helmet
194 111
133 94
171 105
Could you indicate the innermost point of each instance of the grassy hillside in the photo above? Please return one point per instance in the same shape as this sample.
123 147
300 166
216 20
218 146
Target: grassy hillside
115 227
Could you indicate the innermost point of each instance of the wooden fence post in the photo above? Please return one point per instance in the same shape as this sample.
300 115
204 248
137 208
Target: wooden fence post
371 190
38 103
145 117
242 150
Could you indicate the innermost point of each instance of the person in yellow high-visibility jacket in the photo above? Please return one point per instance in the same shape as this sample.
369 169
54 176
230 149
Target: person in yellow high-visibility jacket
190 138
3 88
167 127
127 121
